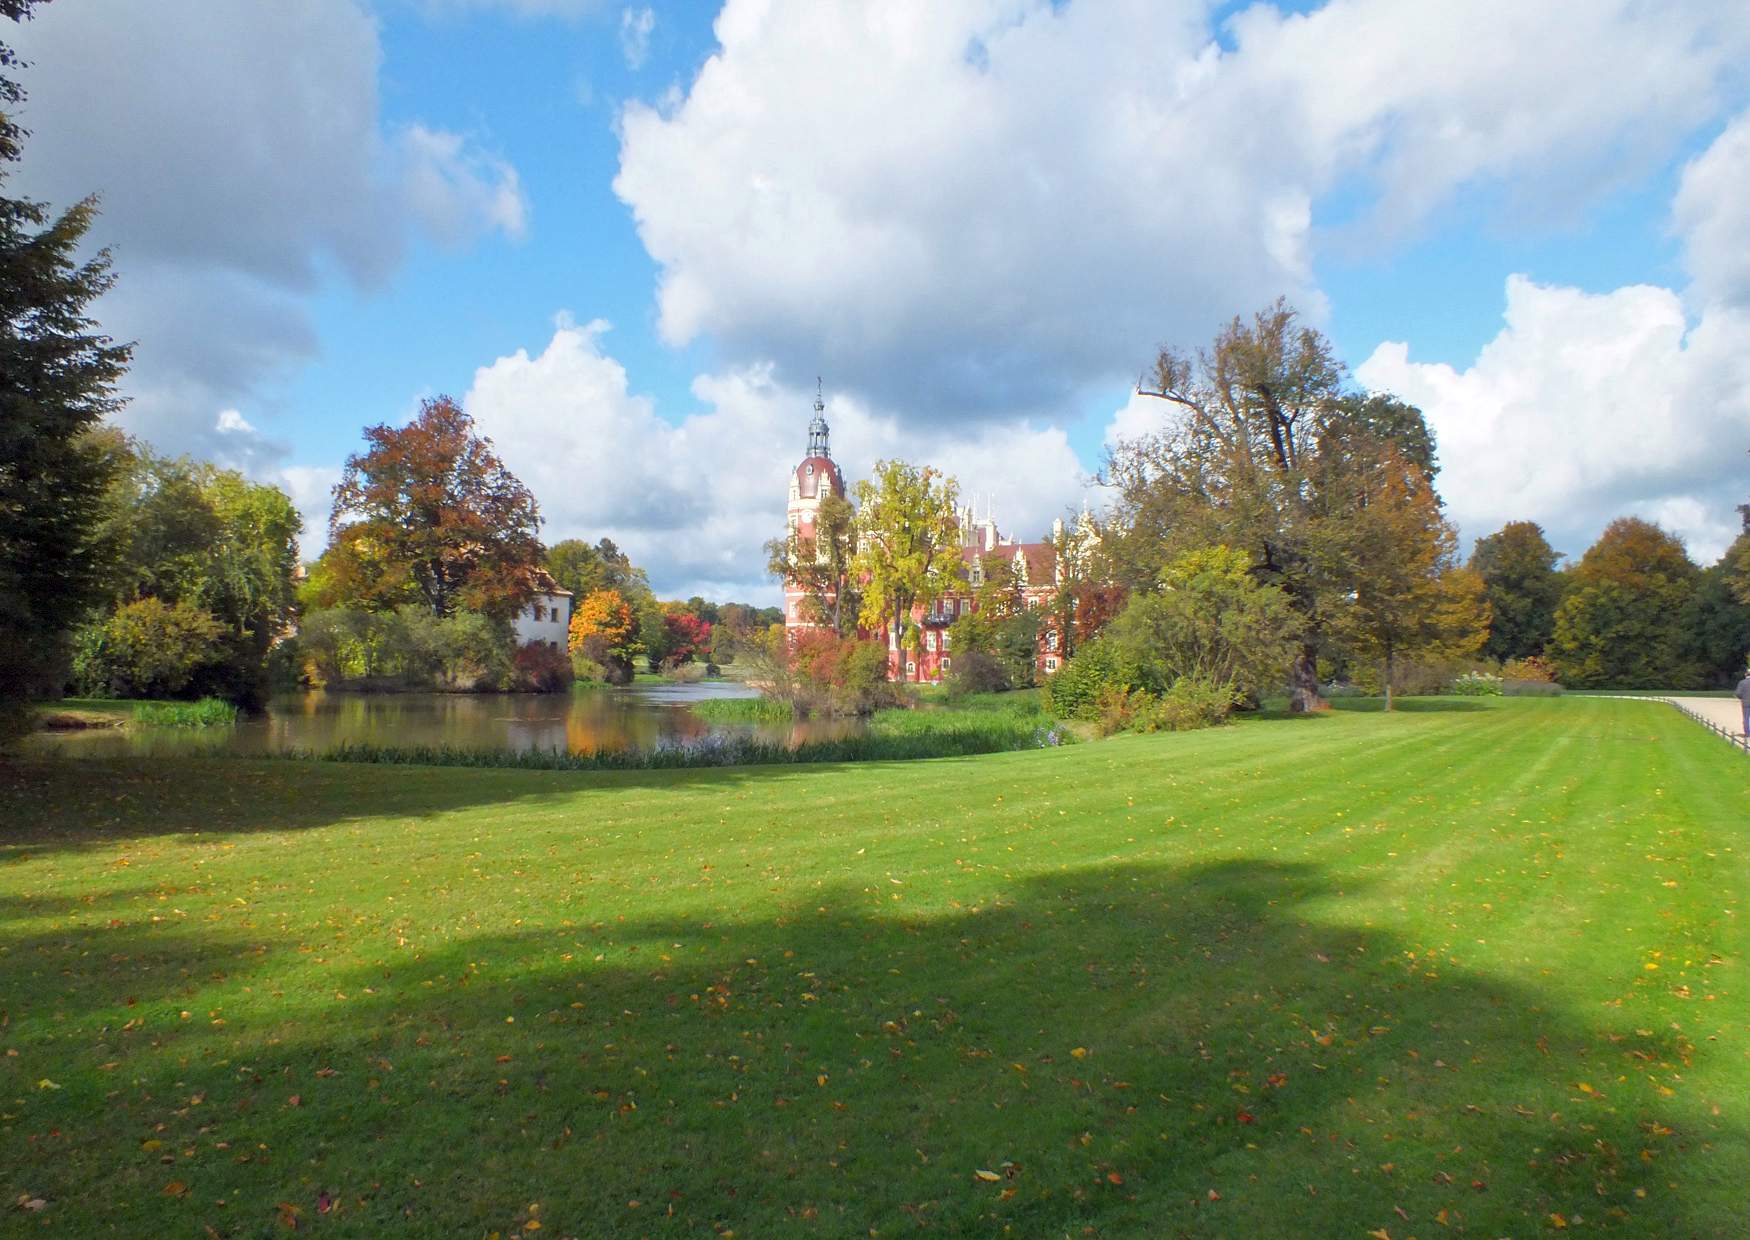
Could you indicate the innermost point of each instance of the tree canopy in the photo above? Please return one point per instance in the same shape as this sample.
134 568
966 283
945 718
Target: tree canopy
908 538
430 514
58 373
1260 453
1518 568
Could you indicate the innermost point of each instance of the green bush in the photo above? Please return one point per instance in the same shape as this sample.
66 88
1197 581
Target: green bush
1074 692
1186 706
408 648
147 648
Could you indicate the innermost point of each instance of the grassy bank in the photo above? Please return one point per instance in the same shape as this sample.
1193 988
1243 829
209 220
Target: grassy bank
71 713
1470 968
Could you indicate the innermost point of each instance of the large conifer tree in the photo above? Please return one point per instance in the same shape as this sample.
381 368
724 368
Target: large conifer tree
57 381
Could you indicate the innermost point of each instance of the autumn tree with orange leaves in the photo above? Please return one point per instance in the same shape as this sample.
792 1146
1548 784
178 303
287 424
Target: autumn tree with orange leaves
430 515
604 636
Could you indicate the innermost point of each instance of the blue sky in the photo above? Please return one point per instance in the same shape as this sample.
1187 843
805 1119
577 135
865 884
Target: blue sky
323 212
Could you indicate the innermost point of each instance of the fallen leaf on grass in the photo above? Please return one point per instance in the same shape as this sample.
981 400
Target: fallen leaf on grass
988 1176
176 1188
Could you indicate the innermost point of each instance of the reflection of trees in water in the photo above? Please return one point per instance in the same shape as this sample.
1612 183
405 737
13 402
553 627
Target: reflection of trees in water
582 722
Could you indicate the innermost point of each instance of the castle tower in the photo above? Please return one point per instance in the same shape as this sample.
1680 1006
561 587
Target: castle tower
814 478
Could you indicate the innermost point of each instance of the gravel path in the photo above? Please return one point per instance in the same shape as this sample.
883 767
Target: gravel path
1722 712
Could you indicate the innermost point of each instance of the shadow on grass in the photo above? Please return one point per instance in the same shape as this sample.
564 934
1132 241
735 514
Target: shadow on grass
66 804
1277 708
1132 1050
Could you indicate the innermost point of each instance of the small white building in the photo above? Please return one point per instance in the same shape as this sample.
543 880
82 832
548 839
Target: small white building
546 618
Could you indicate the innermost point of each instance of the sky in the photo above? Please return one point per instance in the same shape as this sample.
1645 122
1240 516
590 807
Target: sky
630 238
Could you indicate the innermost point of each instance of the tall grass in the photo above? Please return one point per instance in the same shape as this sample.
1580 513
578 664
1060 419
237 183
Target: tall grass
743 710
206 713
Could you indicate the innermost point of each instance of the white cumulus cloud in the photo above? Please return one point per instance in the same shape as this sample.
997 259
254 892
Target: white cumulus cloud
964 208
694 500
1587 406
241 157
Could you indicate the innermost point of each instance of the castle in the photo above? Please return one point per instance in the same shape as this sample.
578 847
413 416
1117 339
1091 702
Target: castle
1038 568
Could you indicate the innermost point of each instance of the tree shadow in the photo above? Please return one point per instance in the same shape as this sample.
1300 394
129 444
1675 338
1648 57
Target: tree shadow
76 804
1129 1050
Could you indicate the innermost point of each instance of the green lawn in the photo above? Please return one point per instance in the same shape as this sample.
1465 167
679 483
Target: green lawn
1469 969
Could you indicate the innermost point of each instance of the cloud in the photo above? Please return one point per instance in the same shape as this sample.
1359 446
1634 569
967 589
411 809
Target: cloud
961 209
1587 406
694 500
243 163
455 188
636 26
1712 213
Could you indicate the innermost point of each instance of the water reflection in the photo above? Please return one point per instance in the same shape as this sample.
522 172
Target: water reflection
583 721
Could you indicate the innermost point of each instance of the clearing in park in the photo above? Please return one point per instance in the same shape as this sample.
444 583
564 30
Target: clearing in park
1473 969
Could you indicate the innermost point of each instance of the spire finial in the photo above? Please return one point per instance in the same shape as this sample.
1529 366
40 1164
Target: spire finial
817 429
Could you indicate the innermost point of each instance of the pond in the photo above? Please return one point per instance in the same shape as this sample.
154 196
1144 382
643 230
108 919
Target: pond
584 720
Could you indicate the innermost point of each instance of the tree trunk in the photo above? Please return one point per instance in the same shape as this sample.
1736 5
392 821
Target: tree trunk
1303 682
1388 675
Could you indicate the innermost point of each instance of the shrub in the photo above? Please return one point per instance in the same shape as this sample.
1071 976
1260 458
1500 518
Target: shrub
1477 684
1188 705
1074 692
1532 668
541 669
147 648
1530 688
978 672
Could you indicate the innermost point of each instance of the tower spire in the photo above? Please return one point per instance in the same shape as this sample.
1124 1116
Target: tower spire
818 431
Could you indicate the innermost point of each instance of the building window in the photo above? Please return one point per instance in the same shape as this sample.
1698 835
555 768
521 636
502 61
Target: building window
1051 640
930 640
977 573
911 668
944 641
1050 665
947 663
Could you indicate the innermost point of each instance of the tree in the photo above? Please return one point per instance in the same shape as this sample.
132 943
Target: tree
188 532
1715 626
604 632
1263 432
820 563
583 569
1618 625
430 514
1518 568
1408 598
57 382
906 527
